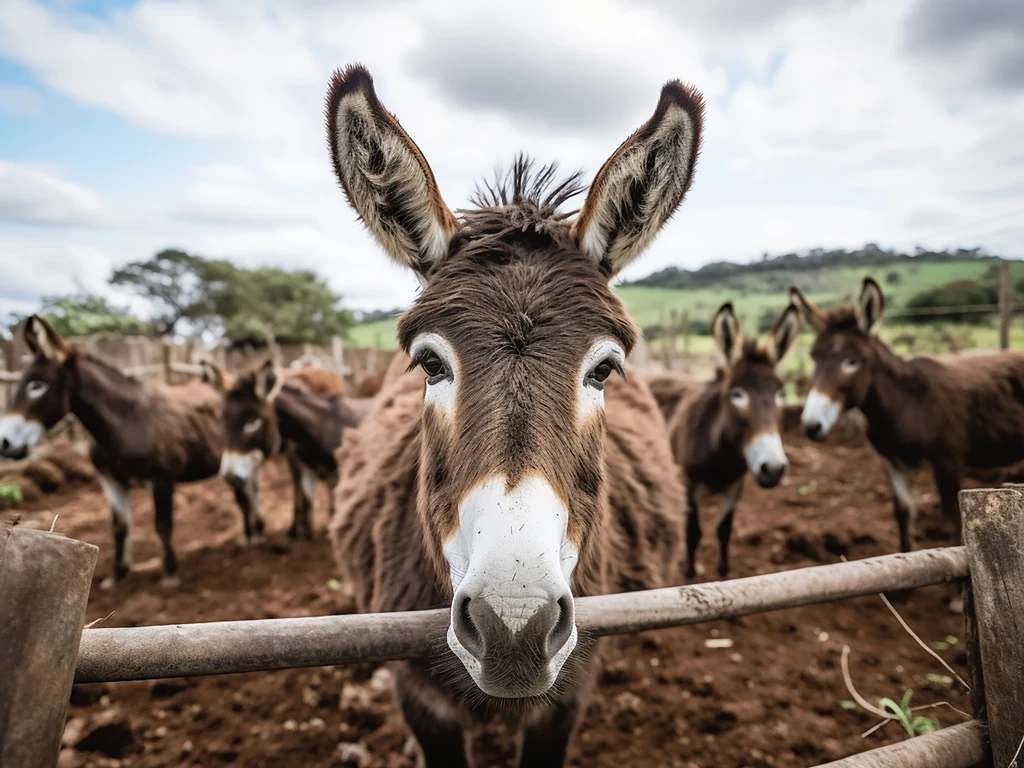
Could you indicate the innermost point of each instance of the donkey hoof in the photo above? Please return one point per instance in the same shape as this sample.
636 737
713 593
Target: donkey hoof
257 539
170 582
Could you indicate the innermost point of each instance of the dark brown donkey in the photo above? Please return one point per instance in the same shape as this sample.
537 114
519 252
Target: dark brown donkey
515 471
299 412
161 435
723 428
961 415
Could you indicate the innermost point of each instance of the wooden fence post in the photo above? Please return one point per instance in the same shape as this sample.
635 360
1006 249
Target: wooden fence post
1005 304
167 350
994 537
44 588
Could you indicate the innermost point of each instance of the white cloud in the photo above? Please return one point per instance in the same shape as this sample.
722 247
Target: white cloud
829 123
32 195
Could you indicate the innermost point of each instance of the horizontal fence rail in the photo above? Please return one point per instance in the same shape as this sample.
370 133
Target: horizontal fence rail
959 746
186 650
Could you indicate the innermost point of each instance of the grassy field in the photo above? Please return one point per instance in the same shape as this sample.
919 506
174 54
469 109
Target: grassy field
755 295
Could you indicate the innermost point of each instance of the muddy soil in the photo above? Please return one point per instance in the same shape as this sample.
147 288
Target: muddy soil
775 697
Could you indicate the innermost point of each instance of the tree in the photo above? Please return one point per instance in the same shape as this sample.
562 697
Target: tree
83 314
177 283
290 307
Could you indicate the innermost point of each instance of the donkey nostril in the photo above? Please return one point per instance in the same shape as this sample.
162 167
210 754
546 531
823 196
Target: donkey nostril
466 630
562 630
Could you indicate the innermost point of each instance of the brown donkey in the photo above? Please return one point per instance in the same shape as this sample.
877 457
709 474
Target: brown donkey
724 428
957 416
161 435
299 412
515 471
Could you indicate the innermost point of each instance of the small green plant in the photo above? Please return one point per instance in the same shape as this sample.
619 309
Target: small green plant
914 726
10 492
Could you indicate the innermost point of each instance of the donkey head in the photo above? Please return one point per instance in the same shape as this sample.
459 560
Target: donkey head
42 396
249 419
752 394
843 353
517 331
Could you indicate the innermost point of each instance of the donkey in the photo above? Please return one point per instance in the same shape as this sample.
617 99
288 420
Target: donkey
513 472
959 415
299 412
723 428
161 435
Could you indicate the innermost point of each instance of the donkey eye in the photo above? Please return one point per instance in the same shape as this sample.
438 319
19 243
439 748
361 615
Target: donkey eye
251 426
433 366
599 373
739 397
36 389
849 365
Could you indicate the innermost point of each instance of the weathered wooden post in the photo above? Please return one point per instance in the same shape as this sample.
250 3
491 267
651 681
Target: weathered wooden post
993 521
1005 304
44 588
167 352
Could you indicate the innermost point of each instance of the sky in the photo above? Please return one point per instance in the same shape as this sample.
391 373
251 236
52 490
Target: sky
129 127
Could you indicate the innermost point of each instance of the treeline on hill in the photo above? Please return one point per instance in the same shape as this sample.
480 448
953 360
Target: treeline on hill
774 272
196 295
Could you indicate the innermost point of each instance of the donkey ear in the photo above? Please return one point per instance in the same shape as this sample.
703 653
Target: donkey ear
725 329
384 175
870 307
783 333
814 316
44 342
268 382
642 183
214 376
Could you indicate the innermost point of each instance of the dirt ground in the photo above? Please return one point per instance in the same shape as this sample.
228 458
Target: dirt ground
776 697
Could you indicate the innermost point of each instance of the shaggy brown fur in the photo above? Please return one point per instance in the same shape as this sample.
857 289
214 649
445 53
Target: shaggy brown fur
519 292
959 416
298 411
163 435
713 424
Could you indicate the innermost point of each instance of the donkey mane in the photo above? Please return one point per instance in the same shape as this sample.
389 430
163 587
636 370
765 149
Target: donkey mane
519 203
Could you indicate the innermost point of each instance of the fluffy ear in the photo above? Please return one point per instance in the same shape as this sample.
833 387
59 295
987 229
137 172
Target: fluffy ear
870 307
783 333
642 183
384 175
44 342
268 382
814 316
215 377
725 329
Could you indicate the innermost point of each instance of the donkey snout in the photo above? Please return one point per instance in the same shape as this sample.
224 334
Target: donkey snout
815 430
514 641
770 473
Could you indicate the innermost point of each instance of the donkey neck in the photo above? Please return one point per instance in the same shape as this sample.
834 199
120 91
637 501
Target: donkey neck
105 400
893 386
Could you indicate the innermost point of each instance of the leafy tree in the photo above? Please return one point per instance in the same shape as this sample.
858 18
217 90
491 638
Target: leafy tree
177 283
83 314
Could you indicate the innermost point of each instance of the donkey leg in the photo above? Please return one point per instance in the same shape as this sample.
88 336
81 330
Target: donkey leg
693 534
947 480
248 499
332 479
902 503
163 504
298 496
121 517
309 481
727 512
547 734
439 734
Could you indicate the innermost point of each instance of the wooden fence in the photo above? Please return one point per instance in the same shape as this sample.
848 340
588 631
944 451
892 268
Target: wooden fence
45 580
